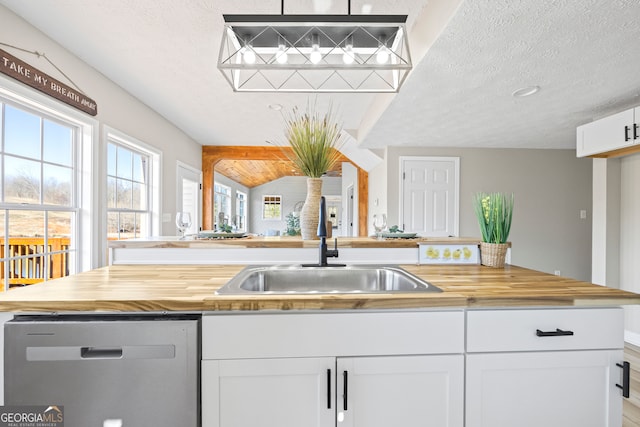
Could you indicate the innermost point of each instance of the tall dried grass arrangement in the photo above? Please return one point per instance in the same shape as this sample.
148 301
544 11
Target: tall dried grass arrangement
314 140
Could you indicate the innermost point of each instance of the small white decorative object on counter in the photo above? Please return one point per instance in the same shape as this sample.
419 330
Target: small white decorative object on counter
441 253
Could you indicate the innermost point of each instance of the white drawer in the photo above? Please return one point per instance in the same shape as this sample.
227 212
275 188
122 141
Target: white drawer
544 329
233 336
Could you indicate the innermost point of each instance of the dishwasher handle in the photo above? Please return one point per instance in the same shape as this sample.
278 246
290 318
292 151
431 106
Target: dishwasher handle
101 352
109 352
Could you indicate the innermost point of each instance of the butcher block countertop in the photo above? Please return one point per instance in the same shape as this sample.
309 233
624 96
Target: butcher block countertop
286 242
144 288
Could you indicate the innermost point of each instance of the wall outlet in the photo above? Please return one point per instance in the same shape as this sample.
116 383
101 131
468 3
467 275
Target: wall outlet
166 217
583 214
556 272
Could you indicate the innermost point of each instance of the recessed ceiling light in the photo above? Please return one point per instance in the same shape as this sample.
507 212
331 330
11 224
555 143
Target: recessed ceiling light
276 107
526 91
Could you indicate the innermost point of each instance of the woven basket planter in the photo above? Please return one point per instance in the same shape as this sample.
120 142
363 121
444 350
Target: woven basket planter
493 254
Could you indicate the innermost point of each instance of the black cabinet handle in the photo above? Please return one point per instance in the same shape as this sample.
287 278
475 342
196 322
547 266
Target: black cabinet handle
345 375
556 333
626 133
626 370
328 388
635 131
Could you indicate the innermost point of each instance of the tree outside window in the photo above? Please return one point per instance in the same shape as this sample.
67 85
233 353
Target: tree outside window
128 211
38 203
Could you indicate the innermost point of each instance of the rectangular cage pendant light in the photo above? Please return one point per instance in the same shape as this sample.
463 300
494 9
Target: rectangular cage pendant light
315 53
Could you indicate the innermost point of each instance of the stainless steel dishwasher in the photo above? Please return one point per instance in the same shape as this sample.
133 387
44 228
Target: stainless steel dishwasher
106 371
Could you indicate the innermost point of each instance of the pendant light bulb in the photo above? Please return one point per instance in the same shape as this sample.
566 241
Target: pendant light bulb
281 55
382 57
348 56
248 55
315 55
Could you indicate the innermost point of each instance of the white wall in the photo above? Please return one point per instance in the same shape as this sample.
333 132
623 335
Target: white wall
605 241
378 196
630 237
550 188
349 178
293 189
116 108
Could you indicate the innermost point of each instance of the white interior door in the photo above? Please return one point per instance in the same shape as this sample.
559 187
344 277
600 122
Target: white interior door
430 195
189 197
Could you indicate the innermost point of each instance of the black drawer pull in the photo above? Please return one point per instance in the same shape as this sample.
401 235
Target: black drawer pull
626 370
345 390
626 133
556 333
635 131
328 388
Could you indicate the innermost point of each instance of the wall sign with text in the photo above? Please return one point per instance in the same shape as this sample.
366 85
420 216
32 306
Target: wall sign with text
25 73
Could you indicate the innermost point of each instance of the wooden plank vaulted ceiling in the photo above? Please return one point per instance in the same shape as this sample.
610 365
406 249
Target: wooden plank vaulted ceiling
212 155
252 173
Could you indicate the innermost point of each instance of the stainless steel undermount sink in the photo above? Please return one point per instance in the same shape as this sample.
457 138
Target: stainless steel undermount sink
295 279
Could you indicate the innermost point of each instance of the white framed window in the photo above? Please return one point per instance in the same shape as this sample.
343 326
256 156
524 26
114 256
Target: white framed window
221 204
46 184
132 187
272 207
189 194
241 211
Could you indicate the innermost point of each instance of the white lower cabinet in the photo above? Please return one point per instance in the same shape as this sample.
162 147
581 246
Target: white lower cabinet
355 369
268 392
550 389
407 391
548 367
352 392
545 367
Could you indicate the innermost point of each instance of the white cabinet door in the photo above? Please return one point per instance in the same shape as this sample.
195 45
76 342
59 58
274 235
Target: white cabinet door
550 389
607 134
268 392
407 391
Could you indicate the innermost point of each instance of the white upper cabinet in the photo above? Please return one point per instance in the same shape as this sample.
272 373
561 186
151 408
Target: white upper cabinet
608 136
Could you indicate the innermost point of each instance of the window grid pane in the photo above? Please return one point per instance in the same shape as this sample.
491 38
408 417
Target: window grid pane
38 173
128 191
57 144
271 207
22 133
241 216
221 204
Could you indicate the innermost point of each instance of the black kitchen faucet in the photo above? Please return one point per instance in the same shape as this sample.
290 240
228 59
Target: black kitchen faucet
324 253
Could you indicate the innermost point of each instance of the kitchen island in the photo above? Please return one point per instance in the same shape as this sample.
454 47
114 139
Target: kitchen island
496 348
148 288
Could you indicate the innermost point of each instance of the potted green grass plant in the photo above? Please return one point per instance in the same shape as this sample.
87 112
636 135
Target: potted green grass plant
494 212
314 140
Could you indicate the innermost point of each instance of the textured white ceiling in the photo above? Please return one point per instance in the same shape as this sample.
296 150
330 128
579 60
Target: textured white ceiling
584 54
